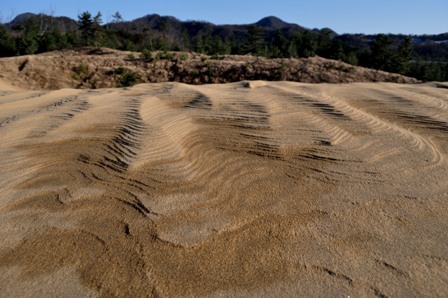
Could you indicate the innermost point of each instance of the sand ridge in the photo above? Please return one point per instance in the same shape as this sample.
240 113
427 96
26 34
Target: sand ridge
253 188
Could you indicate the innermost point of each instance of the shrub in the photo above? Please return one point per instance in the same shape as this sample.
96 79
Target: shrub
166 55
282 71
127 78
183 56
170 56
147 55
194 72
210 71
80 71
120 70
82 68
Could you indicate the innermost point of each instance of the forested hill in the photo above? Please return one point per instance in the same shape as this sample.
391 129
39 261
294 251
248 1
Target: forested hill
424 57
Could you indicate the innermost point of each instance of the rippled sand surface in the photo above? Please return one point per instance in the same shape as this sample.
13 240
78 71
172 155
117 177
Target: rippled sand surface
244 189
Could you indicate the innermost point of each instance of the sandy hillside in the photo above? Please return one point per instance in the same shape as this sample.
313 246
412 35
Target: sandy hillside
245 189
93 68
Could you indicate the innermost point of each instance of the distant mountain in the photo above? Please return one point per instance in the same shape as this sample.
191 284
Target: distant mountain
185 33
426 47
175 30
364 40
46 22
20 19
271 23
274 23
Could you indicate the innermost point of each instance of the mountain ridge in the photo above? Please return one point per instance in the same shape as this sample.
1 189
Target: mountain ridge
269 37
269 22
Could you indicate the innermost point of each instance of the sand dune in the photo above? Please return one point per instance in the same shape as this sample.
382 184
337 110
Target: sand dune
243 189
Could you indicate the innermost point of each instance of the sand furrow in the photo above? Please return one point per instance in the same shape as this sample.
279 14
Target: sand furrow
244 189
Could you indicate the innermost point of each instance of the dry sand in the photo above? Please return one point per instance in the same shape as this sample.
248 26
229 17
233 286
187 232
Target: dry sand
244 189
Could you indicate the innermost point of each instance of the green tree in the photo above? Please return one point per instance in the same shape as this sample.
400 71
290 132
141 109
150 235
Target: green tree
28 42
427 71
98 32
344 52
202 42
256 42
305 44
219 46
7 43
337 50
85 22
117 18
237 46
382 54
278 46
404 56
52 41
90 27
324 44
433 72
72 38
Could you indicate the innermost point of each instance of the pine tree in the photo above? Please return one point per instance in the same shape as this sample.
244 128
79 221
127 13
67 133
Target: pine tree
403 56
91 30
117 17
382 54
7 43
85 22
28 42
278 47
306 44
97 30
53 40
324 44
256 43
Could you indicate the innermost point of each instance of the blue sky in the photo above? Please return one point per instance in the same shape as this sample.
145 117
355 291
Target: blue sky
345 16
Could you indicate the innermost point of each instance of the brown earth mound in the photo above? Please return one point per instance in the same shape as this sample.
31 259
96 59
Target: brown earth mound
101 68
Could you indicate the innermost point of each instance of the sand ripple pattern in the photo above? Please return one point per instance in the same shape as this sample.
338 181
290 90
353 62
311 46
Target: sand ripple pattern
243 189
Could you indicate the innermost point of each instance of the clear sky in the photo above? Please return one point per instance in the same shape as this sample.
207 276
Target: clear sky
343 16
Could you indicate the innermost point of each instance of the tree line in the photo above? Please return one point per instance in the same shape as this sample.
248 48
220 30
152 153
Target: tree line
382 54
